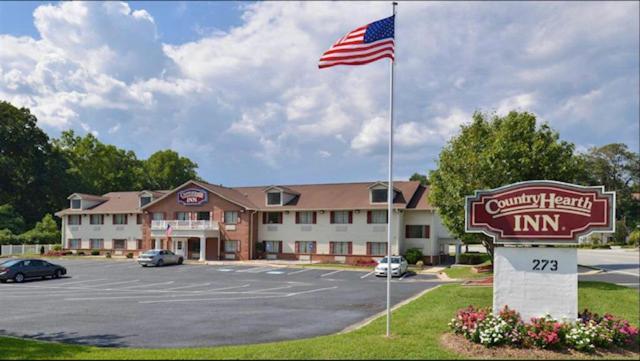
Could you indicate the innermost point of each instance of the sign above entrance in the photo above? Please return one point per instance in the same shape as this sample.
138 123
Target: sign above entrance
540 212
193 197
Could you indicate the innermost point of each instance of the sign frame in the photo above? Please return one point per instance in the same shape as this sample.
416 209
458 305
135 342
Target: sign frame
204 200
572 238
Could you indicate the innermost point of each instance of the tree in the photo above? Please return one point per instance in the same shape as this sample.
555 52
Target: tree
45 232
11 220
491 152
31 170
98 168
420 177
618 169
166 169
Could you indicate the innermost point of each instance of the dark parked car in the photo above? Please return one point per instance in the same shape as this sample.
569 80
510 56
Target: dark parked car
19 270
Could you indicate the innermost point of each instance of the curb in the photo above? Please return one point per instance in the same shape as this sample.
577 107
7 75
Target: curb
361 324
594 270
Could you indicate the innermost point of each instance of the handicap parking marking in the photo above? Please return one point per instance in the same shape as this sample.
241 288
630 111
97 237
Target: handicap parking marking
255 270
276 272
300 271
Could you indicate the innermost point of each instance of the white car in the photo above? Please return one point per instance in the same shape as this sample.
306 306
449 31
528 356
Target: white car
399 266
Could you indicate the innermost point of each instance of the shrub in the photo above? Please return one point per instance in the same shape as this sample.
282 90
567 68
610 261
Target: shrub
474 258
80 253
95 252
108 255
634 237
420 264
129 255
57 247
413 255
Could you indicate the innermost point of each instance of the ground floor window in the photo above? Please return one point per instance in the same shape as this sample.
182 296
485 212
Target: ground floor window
74 243
341 248
377 248
138 244
119 243
96 243
416 231
305 247
231 246
272 246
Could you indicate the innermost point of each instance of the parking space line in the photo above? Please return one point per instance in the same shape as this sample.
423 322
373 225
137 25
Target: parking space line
214 299
256 270
76 282
300 271
403 276
116 283
188 286
311 291
367 275
330 273
148 285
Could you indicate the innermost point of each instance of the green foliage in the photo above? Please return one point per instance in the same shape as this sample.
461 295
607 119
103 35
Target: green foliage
413 255
129 255
491 152
634 237
166 169
620 236
10 219
474 258
95 252
420 177
45 232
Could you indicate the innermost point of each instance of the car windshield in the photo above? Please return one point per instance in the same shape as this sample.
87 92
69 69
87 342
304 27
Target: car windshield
393 260
9 263
150 253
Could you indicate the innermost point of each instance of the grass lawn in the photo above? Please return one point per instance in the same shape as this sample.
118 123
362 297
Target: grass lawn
417 328
465 272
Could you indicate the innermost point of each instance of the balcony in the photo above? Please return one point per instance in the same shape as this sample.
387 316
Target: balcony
185 229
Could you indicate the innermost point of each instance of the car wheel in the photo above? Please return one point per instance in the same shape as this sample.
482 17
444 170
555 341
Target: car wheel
160 263
180 260
18 278
144 265
3 281
57 274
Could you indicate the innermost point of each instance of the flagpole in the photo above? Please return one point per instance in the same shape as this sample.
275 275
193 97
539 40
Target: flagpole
390 192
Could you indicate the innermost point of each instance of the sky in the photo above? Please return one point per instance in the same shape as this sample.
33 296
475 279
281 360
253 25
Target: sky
235 85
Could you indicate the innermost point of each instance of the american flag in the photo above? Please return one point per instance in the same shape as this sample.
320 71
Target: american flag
362 46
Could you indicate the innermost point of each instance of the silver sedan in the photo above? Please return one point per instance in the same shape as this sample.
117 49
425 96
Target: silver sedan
159 258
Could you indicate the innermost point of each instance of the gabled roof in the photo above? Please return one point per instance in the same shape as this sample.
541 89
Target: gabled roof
88 197
115 202
229 194
282 188
384 184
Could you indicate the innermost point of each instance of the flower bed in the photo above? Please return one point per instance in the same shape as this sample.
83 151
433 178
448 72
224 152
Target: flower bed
589 332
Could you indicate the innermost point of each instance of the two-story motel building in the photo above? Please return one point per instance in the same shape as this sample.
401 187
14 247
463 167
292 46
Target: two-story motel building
343 222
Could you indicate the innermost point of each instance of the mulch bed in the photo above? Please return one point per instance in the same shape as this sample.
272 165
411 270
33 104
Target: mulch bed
481 282
462 346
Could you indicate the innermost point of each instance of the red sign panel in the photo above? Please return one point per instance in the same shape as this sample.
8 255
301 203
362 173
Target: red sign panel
540 211
192 197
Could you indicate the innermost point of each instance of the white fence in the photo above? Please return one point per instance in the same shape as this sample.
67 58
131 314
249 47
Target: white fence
20 249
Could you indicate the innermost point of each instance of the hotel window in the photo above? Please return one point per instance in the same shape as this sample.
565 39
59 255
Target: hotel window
272 217
377 217
230 217
119 243
341 217
306 217
416 231
96 243
76 203
341 248
144 201
231 246
376 248
204 216
307 247
379 195
119 219
75 219
272 246
74 243
96 219
138 218
158 216
182 216
273 198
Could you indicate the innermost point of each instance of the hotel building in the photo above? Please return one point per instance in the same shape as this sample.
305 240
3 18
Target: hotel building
344 222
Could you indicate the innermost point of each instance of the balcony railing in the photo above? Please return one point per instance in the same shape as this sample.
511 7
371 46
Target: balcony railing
184 225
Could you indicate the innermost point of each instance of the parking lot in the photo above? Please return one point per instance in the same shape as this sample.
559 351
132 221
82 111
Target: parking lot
119 303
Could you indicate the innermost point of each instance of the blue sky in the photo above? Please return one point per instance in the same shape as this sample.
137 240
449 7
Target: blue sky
235 86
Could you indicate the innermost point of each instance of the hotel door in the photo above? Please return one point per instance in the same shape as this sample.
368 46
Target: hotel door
180 248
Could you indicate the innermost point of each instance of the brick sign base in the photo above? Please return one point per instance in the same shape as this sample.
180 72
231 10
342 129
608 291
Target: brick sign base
536 281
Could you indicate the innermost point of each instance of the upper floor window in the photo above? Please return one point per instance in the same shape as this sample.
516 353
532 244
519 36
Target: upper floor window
416 231
157 216
379 196
76 203
75 219
182 216
307 217
203 216
272 217
377 217
230 217
274 198
341 217
96 219
144 200
119 219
